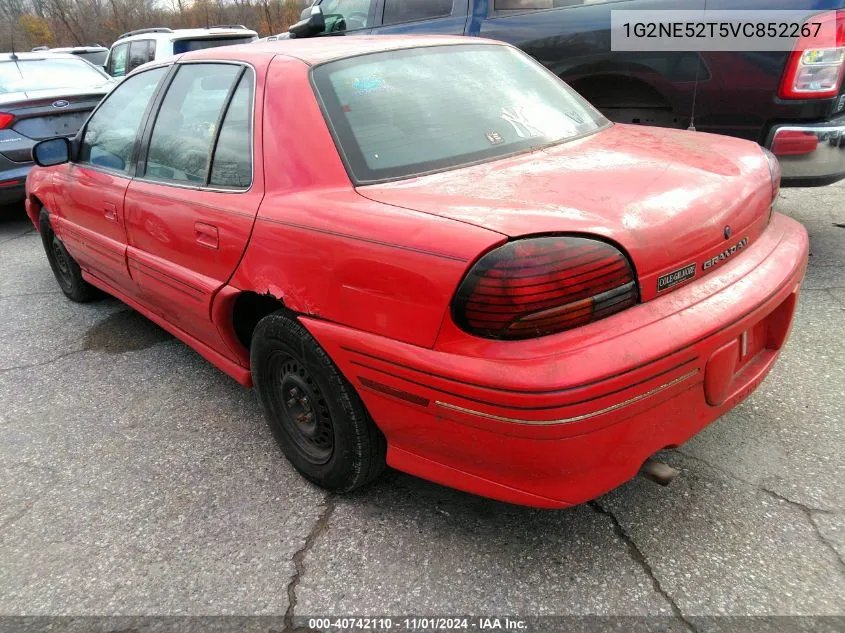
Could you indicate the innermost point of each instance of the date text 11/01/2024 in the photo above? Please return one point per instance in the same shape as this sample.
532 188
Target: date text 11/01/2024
479 623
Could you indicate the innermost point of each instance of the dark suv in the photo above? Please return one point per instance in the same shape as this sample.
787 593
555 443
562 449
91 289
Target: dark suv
758 96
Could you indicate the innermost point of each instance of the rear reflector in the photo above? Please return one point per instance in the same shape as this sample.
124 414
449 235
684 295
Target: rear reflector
794 143
539 286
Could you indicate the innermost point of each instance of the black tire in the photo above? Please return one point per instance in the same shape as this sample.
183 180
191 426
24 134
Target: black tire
315 414
65 268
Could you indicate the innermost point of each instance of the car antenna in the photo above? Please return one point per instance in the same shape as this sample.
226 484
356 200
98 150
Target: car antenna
13 56
698 63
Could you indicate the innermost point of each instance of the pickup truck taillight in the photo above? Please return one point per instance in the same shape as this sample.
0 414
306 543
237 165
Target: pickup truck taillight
816 73
538 286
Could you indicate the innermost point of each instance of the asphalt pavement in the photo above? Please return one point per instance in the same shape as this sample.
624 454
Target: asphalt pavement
139 480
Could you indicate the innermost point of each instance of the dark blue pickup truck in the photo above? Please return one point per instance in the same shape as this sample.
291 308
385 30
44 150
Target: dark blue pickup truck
751 95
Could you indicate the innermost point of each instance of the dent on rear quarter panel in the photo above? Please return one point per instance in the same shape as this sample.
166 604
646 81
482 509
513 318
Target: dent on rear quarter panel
328 252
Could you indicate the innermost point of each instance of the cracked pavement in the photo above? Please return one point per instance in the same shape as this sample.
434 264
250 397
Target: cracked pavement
139 480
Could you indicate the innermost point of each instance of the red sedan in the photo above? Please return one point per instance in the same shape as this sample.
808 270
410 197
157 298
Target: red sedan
430 253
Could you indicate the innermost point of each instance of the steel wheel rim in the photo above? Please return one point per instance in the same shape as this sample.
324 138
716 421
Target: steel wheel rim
302 409
62 263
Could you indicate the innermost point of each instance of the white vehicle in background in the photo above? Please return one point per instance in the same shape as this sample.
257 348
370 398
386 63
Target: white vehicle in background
138 47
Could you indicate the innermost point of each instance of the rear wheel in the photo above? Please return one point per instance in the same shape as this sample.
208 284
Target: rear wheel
65 268
315 414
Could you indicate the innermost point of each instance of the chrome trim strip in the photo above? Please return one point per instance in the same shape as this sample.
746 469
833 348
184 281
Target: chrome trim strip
577 418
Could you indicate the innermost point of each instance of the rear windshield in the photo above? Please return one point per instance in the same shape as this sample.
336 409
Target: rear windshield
185 46
46 74
98 58
399 114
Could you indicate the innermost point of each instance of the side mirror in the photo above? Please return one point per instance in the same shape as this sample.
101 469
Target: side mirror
52 151
312 25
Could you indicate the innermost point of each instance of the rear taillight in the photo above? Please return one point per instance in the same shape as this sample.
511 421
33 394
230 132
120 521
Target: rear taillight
816 73
539 286
5 120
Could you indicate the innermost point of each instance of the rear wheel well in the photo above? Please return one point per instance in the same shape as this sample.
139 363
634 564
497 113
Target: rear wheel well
36 206
248 309
628 100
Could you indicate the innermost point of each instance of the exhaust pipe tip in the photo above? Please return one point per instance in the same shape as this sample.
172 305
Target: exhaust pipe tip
659 472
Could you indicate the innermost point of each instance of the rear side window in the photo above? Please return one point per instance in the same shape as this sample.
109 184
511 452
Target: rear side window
186 46
111 132
140 52
117 60
184 131
98 58
397 11
231 165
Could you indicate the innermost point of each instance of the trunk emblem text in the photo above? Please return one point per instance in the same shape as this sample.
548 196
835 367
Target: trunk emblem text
718 259
676 277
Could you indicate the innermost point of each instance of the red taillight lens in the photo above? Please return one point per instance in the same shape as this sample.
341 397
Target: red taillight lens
539 286
5 120
794 143
813 72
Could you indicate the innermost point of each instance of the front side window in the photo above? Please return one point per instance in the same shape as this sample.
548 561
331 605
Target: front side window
186 124
398 11
110 135
26 75
117 61
402 113
346 15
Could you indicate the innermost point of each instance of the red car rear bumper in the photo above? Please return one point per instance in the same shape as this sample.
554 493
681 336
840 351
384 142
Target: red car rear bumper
563 419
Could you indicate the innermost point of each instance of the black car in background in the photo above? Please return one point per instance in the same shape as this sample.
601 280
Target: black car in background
42 95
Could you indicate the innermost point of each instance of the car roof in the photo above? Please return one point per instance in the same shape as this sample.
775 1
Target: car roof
38 56
176 34
84 49
322 49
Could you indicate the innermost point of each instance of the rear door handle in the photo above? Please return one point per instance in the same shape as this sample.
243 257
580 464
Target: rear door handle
206 235
110 211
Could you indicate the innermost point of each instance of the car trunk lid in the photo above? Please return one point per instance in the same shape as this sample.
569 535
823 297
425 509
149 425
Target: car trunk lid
670 199
43 114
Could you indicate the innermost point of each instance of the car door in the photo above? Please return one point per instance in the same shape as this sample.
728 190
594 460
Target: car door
90 191
191 208
442 17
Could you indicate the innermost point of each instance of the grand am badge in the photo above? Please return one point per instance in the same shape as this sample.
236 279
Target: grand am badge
725 254
676 277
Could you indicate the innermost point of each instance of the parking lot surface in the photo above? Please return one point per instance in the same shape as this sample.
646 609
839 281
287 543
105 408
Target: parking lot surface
138 479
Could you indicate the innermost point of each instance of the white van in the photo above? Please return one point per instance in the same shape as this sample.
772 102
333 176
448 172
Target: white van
145 45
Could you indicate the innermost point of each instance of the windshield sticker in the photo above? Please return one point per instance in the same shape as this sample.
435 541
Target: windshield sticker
362 87
517 117
495 138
